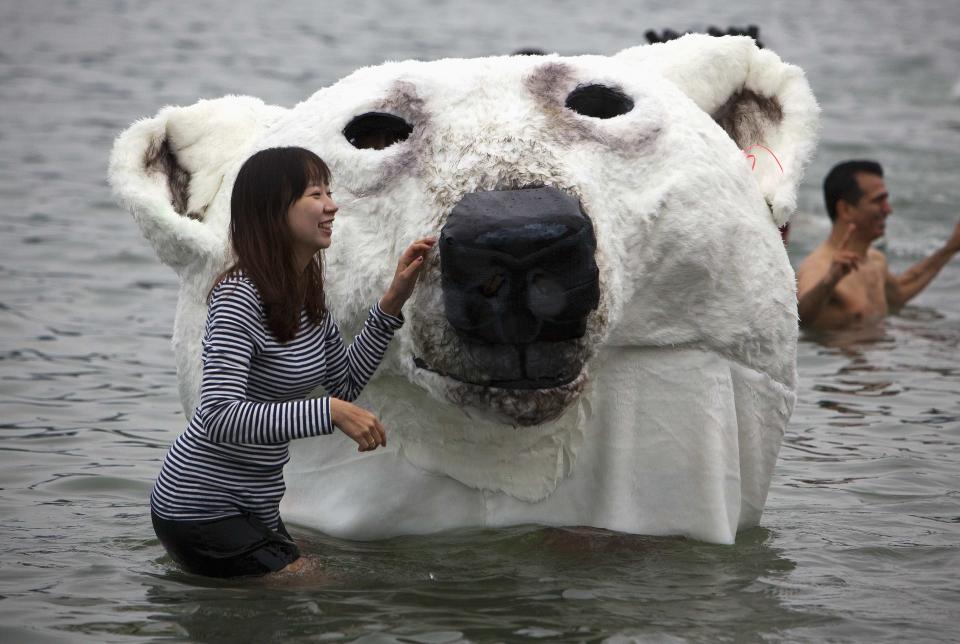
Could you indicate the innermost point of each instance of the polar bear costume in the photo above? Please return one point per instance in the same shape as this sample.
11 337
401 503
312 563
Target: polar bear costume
678 389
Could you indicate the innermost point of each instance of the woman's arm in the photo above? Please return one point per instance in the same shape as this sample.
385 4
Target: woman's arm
349 369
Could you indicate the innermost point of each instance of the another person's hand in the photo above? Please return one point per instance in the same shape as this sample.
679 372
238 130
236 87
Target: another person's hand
359 424
843 261
953 244
405 278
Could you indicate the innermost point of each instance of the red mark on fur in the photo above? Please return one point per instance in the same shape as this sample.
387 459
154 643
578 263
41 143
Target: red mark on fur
753 158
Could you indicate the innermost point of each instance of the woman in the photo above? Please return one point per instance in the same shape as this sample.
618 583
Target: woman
269 341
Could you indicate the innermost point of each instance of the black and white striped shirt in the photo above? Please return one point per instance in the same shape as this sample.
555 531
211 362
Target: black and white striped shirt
230 458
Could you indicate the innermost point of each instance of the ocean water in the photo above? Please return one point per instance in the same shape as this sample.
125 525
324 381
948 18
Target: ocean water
860 540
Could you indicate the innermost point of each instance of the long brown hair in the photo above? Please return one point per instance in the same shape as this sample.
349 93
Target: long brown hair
269 183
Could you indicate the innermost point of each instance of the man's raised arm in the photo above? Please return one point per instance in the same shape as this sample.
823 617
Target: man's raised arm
902 288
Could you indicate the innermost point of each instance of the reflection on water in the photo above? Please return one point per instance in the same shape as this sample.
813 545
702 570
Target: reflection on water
911 355
500 586
853 339
858 376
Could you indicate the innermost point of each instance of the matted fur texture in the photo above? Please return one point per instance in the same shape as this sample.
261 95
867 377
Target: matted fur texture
675 421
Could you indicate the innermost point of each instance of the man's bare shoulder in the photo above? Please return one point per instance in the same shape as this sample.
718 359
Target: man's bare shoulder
816 263
875 255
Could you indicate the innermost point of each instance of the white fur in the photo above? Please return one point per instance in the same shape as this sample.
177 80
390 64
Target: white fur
691 353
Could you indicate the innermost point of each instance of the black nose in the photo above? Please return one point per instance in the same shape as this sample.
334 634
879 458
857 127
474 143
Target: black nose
518 267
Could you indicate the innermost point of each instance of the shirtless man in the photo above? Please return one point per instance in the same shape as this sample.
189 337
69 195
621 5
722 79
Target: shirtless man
844 281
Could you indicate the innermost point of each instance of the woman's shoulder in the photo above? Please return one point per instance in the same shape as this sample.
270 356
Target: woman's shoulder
237 289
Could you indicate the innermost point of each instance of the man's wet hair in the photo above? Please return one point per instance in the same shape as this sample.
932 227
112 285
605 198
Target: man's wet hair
841 183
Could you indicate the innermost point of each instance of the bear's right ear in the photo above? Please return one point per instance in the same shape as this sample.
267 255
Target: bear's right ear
167 170
761 102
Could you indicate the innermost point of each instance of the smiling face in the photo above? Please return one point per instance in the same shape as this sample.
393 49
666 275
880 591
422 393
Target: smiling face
872 209
310 221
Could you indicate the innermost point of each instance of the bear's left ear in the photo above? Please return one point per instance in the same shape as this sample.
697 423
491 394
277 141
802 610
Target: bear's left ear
168 169
764 105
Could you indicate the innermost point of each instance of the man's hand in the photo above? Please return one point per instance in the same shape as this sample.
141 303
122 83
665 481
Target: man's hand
405 278
359 424
844 260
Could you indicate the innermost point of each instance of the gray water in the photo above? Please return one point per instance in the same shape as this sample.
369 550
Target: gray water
861 535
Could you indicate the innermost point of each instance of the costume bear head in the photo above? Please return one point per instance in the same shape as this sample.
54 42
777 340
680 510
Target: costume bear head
599 219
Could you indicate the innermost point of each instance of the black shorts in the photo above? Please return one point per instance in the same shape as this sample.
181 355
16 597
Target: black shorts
228 547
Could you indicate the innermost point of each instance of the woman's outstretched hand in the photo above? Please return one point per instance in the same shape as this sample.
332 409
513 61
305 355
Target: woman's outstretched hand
358 424
405 279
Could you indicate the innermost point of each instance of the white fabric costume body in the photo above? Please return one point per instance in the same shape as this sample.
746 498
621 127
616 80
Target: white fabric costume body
687 368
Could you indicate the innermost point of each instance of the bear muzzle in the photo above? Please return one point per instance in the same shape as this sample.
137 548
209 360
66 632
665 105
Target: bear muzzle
519 279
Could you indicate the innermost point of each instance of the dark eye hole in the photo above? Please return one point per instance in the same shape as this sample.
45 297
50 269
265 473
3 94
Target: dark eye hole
376 130
599 101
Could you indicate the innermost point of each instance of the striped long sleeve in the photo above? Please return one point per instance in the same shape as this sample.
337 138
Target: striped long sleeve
236 333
